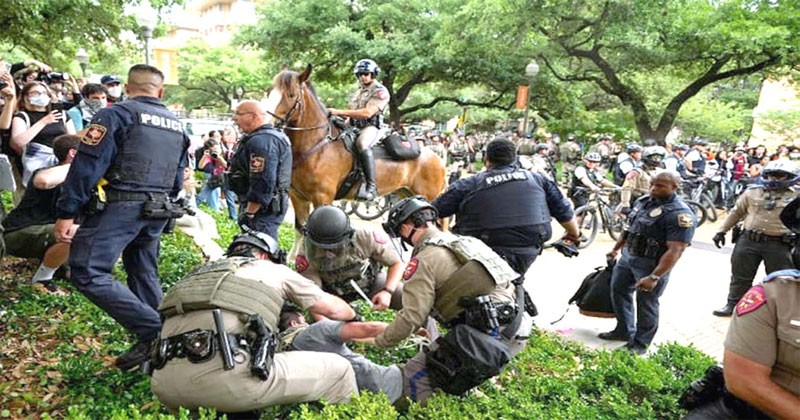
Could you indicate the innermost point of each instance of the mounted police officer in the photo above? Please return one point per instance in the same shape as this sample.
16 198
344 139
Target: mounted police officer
514 228
661 227
216 348
585 177
139 148
366 114
260 170
762 371
637 182
334 256
464 285
764 237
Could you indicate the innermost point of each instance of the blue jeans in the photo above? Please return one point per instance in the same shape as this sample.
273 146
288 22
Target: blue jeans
230 201
95 249
628 270
209 195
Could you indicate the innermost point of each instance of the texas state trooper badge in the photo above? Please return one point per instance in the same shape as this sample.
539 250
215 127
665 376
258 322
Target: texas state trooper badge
751 301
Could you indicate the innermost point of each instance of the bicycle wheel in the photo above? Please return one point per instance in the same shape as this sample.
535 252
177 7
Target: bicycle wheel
371 210
588 223
699 211
711 210
615 223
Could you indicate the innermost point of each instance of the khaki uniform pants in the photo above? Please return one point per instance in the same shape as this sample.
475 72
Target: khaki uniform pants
297 376
368 136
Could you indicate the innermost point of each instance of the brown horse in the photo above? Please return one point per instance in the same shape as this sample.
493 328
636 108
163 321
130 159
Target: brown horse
321 162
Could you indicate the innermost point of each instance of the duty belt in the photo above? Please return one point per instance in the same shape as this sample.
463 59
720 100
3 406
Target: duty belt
116 195
197 346
640 245
760 236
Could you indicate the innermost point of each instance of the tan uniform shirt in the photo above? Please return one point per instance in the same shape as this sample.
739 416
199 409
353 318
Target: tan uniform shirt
770 334
369 244
750 207
569 152
426 273
637 183
375 94
294 377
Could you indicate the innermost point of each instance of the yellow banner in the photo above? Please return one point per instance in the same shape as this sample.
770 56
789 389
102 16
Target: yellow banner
167 61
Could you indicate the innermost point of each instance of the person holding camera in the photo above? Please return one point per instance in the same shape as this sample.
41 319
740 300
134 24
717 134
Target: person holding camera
34 128
138 149
213 164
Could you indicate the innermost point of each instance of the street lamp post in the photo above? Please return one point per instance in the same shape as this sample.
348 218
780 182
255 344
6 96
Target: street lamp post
83 59
531 70
146 18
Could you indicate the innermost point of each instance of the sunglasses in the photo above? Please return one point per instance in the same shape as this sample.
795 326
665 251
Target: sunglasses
363 74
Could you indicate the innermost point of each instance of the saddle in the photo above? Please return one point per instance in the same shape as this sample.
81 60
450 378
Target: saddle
392 147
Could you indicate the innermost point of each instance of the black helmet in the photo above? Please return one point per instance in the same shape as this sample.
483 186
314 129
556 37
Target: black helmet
539 147
259 240
328 227
416 207
366 66
790 216
699 142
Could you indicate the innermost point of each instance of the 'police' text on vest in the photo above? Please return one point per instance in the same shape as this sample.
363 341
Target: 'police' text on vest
503 178
159 121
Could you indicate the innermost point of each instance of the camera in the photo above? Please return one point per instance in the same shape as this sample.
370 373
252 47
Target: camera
214 155
3 84
53 77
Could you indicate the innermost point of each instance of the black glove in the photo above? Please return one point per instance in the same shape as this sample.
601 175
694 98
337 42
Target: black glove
566 247
719 239
246 219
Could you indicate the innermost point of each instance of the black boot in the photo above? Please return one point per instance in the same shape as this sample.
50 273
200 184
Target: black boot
134 357
726 310
368 191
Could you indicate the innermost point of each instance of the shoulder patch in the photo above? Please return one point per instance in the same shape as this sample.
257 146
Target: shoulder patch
94 135
685 220
411 268
301 263
256 164
632 174
380 237
752 300
382 93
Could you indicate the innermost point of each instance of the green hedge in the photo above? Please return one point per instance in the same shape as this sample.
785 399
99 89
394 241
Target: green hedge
63 348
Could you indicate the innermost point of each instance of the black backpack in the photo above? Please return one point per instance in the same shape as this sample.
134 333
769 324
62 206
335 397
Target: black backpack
594 295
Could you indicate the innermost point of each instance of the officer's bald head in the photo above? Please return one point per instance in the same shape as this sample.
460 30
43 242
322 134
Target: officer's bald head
250 115
664 184
145 80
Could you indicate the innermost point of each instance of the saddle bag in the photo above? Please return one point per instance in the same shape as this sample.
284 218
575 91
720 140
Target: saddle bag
465 358
593 297
401 148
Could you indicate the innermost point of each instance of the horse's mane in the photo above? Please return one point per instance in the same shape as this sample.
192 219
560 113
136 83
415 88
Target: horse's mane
289 81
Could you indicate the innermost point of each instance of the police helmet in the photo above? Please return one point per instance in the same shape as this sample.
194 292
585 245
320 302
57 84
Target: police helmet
540 147
680 146
634 148
258 240
790 216
571 137
781 167
328 227
654 155
416 208
593 157
699 142
649 142
366 66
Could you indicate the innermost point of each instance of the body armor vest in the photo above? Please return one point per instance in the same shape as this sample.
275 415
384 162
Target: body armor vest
216 285
360 100
148 158
503 199
577 182
481 273
341 266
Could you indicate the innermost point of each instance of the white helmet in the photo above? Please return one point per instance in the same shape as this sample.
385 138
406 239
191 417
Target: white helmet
781 166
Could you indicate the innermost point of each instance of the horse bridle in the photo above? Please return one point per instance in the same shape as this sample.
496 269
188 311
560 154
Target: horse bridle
283 122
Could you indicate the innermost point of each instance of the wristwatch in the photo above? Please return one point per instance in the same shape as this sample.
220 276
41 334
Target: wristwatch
654 277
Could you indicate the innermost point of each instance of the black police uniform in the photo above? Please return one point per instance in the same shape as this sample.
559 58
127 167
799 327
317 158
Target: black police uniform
653 223
261 172
507 208
140 148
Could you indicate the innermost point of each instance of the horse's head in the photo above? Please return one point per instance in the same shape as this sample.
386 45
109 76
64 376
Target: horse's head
290 97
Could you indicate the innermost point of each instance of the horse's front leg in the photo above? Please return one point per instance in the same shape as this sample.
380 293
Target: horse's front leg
302 209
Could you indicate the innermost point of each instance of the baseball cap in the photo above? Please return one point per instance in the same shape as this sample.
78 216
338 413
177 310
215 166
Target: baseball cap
109 79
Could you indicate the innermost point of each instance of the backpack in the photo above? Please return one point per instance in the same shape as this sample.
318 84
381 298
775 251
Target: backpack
593 297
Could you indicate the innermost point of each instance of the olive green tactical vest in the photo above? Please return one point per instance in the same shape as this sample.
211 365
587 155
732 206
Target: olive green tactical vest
343 265
216 285
482 272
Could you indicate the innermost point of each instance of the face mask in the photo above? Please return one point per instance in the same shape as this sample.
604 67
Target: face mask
96 104
39 100
115 91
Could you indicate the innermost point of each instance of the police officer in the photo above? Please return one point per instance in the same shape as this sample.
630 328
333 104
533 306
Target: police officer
674 162
139 147
247 291
542 162
260 170
764 237
508 208
661 227
637 182
626 162
333 253
585 177
762 370
696 158
366 114
463 284
570 153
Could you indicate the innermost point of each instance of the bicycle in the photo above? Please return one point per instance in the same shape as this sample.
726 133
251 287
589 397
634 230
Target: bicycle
596 213
696 190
